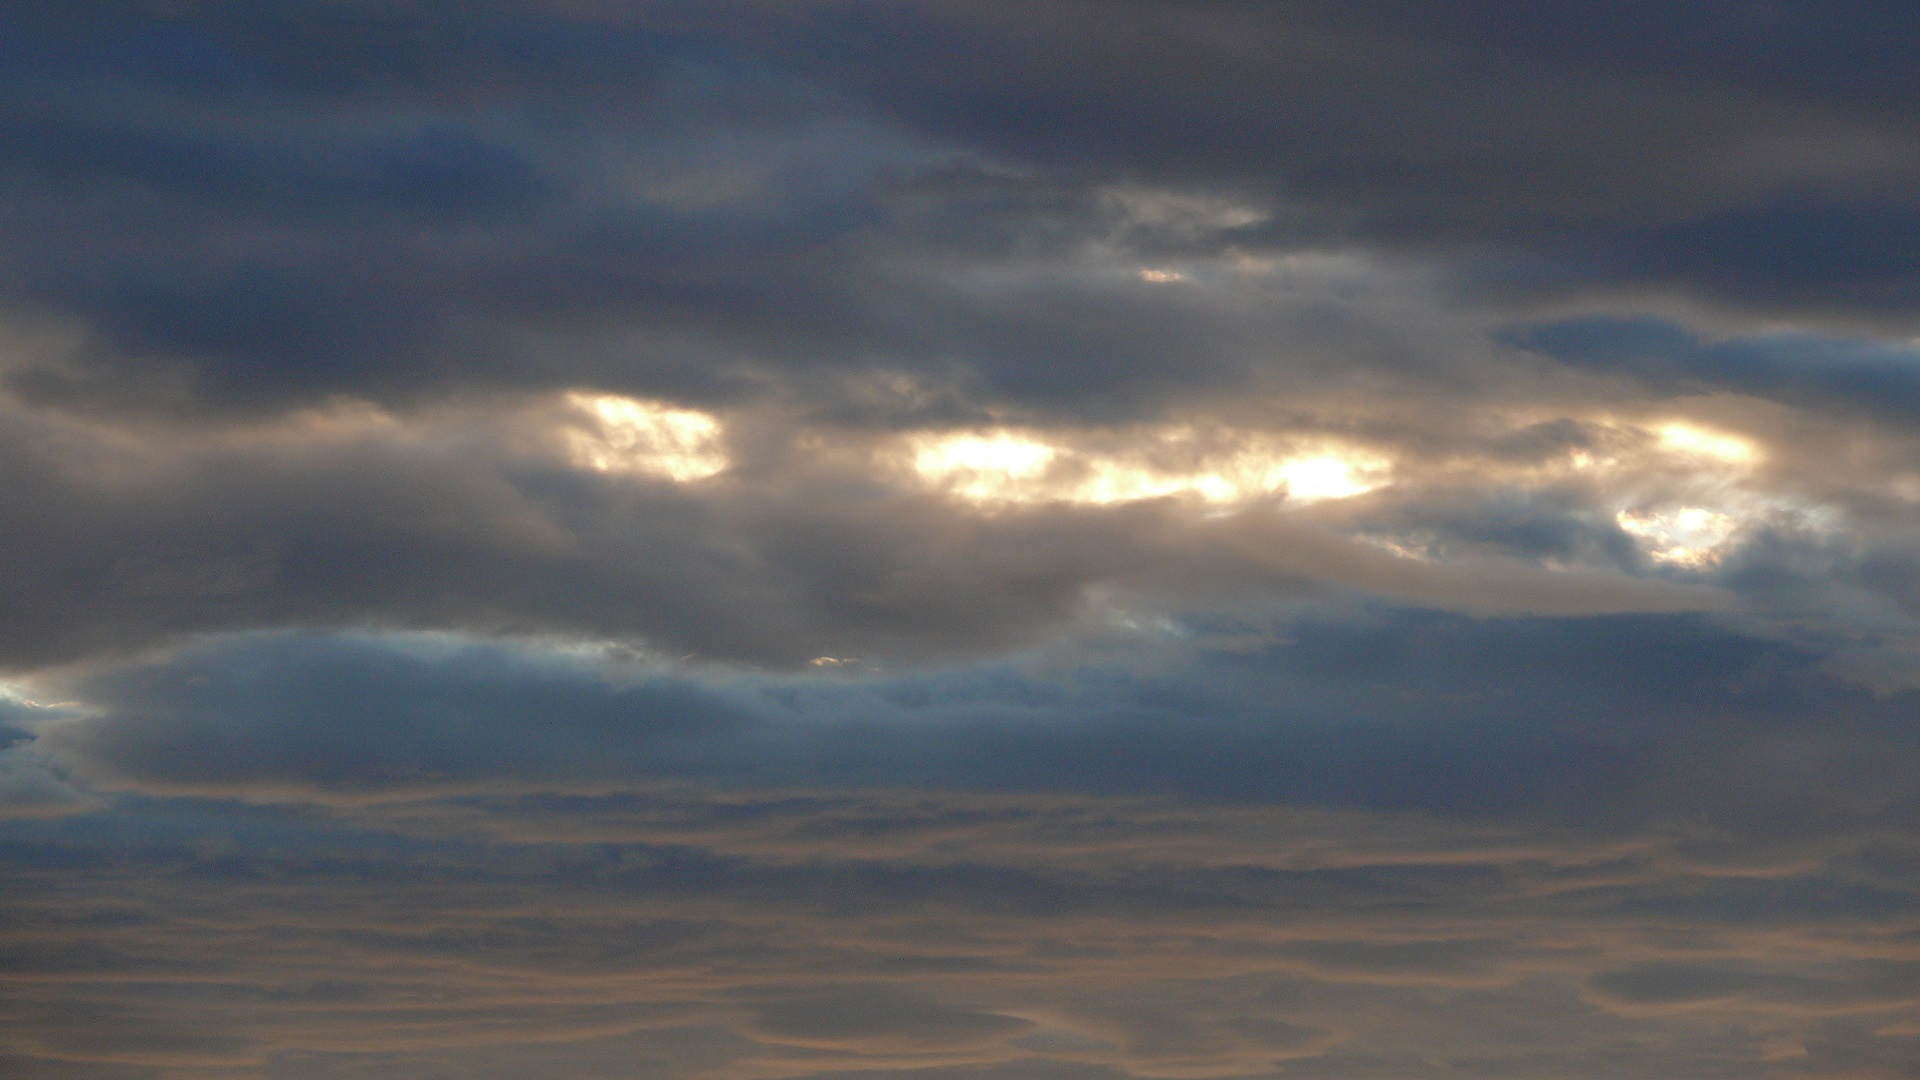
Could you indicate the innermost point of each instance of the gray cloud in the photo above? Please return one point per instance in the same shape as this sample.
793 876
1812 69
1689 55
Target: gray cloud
1668 983
475 520
1005 939
243 209
1505 719
1724 151
831 226
1428 586
1879 379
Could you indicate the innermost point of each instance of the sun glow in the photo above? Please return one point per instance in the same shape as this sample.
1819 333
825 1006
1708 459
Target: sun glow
1325 476
1020 467
978 465
1704 442
1693 537
621 434
1716 468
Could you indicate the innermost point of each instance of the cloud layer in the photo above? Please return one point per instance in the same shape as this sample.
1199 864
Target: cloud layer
816 935
964 541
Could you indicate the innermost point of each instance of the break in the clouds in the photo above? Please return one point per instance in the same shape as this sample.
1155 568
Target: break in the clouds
1086 541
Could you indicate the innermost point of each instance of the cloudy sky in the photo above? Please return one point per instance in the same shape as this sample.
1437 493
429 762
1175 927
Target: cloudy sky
961 540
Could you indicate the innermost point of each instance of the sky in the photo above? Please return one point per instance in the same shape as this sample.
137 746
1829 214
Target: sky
962 540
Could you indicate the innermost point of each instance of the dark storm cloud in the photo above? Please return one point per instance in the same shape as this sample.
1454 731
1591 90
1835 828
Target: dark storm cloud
528 200
1500 718
1877 379
1757 155
271 206
243 206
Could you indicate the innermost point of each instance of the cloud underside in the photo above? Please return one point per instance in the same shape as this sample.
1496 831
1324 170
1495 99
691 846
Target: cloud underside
958 541
1496 719
1346 846
767 333
820 935
246 208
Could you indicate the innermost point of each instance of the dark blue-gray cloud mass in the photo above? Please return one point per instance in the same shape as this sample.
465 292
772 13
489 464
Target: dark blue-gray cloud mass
1502 718
242 207
1874 378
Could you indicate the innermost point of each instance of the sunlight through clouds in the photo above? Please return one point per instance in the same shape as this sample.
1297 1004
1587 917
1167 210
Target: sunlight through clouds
1010 467
621 434
1678 437
1718 466
1326 476
1692 536
959 541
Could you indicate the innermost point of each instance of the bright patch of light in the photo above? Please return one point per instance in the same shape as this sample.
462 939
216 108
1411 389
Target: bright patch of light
1692 536
1162 277
1326 476
1689 439
982 467
621 434
1002 453
1009 467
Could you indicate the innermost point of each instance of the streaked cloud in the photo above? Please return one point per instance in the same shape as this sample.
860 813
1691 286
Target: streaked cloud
812 935
750 541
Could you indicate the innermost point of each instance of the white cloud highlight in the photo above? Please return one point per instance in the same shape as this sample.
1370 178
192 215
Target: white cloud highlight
622 434
1016 467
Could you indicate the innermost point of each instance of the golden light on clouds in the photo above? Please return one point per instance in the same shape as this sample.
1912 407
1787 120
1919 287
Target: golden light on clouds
983 466
1717 466
1325 476
1707 443
1693 537
1222 465
1686 492
1007 466
629 435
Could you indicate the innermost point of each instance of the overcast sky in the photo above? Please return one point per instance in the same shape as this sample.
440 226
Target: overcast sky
824 540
